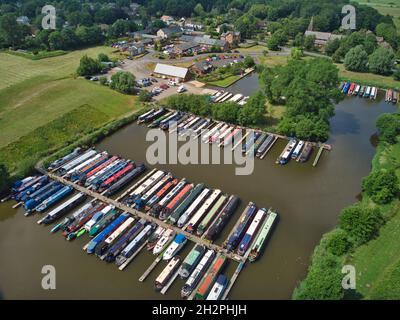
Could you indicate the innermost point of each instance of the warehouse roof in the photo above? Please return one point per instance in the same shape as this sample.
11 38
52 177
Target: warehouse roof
169 70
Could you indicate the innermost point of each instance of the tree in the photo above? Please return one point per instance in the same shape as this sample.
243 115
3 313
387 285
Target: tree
144 96
309 43
356 59
332 46
88 66
227 111
260 11
389 127
382 186
296 53
123 82
298 40
324 279
4 178
158 24
382 61
336 242
388 32
69 39
102 57
56 40
10 30
248 62
199 10
396 74
246 25
362 224
253 112
273 44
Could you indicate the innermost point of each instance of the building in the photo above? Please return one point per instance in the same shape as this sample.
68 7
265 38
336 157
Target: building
322 38
166 33
168 71
136 49
206 42
201 68
23 20
186 48
232 37
167 20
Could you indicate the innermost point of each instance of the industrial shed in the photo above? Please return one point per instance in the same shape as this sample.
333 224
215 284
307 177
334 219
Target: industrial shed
171 71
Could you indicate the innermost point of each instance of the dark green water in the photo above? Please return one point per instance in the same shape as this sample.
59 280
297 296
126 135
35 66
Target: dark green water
307 199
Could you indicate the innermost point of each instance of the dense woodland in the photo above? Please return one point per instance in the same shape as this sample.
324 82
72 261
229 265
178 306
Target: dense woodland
83 23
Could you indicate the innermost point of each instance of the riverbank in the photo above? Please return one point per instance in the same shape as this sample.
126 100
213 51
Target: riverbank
376 262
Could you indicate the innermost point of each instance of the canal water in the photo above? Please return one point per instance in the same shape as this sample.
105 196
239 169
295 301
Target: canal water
308 200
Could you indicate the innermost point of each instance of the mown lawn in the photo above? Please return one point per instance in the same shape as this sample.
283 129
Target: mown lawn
224 83
16 69
377 261
35 94
368 78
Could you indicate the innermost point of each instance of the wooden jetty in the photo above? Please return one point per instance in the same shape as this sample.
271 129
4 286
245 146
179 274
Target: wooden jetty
270 147
166 287
134 212
129 260
151 268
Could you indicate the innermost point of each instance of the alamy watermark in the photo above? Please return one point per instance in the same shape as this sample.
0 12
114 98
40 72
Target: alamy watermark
49 280
197 150
349 20
349 280
49 20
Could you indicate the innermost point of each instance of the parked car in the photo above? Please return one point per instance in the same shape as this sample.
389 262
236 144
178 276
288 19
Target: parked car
164 86
181 89
94 79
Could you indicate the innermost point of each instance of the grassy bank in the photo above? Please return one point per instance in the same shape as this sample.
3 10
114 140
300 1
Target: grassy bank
384 82
224 83
38 56
43 107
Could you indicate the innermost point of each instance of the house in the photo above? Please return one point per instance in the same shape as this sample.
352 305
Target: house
23 20
136 49
232 37
224 26
201 68
186 48
167 20
168 71
166 33
205 42
322 38
189 25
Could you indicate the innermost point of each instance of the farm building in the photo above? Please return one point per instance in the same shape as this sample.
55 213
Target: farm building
165 70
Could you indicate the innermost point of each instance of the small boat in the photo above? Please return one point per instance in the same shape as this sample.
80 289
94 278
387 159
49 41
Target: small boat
176 245
305 154
218 288
367 92
356 90
297 150
163 241
153 239
362 91
167 273
351 89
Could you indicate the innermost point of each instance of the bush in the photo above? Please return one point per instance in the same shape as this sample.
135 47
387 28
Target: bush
102 57
4 179
324 278
248 62
389 127
382 61
103 80
382 186
336 242
144 96
123 82
88 66
356 59
362 224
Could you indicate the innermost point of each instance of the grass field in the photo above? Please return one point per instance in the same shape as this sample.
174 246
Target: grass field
386 7
375 262
34 95
252 49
